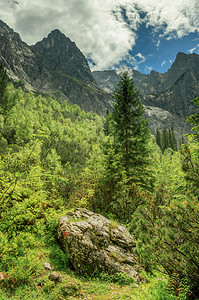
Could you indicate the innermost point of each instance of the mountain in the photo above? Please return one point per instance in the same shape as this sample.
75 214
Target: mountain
171 91
55 66
168 95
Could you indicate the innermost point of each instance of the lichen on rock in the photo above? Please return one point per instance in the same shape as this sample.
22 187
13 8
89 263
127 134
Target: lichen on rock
93 244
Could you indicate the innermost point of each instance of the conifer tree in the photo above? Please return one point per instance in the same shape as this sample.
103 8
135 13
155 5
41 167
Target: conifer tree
3 85
173 141
107 122
158 138
6 102
131 132
165 139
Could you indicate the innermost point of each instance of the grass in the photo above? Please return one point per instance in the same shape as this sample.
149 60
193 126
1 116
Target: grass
23 256
29 280
24 253
72 287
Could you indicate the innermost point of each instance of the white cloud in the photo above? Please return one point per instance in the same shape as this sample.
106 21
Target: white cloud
123 69
163 63
141 57
158 44
148 69
174 18
192 50
99 27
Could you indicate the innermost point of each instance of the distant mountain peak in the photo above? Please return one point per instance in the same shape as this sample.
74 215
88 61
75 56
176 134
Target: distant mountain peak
57 34
55 66
5 27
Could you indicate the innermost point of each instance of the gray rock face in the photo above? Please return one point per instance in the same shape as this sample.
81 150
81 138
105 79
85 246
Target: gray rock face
107 80
171 91
57 67
95 243
57 53
160 118
16 55
54 66
167 95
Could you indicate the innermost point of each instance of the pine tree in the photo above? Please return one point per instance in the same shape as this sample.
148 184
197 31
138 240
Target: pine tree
3 85
107 122
173 141
131 132
158 138
165 139
6 102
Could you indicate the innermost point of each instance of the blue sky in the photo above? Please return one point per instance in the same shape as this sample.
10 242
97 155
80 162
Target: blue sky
143 34
159 53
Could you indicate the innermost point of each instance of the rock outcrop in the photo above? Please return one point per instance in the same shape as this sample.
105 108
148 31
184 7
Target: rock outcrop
54 66
160 118
171 91
94 243
167 96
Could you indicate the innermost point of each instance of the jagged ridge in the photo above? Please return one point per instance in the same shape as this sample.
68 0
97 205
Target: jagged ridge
54 65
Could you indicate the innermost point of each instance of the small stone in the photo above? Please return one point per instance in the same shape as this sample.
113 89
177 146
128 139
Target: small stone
3 276
55 276
39 287
48 266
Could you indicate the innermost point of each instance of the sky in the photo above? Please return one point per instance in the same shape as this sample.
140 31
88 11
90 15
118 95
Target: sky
142 34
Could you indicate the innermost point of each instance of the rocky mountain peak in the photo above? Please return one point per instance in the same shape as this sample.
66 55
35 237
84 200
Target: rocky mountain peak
183 63
5 27
58 53
54 39
54 66
8 33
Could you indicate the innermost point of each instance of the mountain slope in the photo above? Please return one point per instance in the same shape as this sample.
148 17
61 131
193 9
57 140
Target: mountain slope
171 91
55 66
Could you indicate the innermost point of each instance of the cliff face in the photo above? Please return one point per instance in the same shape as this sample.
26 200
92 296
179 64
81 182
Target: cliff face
55 66
16 55
178 86
171 91
58 54
166 96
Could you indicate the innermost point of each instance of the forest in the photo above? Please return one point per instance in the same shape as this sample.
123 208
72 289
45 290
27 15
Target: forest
55 157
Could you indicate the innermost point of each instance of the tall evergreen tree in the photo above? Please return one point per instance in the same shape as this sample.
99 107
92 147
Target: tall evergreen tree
158 138
165 139
131 132
3 85
6 102
173 141
107 122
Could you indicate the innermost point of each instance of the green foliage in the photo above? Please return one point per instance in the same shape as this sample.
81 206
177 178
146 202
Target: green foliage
6 101
119 278
131 132
168 237
54 157
127 172
166 139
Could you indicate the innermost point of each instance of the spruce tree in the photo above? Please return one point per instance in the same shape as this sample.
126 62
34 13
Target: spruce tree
6 102
165 139
158 138
3 85
173 141
131 132
107 122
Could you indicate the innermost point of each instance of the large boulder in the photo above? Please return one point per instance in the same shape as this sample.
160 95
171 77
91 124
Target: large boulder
96 243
